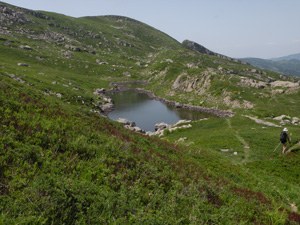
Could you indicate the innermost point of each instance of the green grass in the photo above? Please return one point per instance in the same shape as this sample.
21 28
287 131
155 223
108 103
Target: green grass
62 164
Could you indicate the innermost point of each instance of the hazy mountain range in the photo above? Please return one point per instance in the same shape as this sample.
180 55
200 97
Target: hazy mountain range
288 65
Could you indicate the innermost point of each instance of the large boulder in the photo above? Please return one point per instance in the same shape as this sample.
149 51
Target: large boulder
161 126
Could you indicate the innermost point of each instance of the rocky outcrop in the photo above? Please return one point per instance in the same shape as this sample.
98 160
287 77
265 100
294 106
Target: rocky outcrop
285 84
10 15
105 103
246 81
197 47
275 86
130 125
263 122
160 128
284 120
16 78
237 104
199 84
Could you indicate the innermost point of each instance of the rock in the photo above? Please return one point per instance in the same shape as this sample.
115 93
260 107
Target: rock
99 91
282 117
235 153
135 129
181 127
73 48
263 122
286 84
99 62
39 58
197 47
25 47
294 208
127 74
149 133
107 100
161 126
295 120
169 61
192 65
245 81
181 122
178 105
277 91
67 54
126 122
106 107
23 64
180 140
13 76
59 95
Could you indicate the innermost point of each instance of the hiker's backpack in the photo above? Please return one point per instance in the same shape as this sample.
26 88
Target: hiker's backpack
283 137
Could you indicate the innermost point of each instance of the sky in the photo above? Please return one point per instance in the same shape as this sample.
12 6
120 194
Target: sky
236 28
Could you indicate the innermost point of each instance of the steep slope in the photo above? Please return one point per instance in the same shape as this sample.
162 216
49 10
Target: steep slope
63 163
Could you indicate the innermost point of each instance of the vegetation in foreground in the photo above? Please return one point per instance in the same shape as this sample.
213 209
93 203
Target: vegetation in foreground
62 163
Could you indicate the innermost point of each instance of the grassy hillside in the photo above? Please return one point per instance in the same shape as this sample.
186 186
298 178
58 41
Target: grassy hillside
61 162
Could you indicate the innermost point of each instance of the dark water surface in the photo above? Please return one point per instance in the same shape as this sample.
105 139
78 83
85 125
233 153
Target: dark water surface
146 112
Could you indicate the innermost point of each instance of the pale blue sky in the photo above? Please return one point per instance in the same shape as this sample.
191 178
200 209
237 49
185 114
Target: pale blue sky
236 28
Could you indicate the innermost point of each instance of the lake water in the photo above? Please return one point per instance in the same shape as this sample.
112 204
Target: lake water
146 112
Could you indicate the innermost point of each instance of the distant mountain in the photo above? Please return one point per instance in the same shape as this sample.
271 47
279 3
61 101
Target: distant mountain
289 57
288 65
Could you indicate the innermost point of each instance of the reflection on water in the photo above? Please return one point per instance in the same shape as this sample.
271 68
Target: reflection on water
146 112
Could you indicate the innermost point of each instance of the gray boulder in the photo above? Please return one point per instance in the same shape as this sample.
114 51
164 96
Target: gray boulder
161 126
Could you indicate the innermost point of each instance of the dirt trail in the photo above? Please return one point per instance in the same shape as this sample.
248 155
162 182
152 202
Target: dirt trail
243 141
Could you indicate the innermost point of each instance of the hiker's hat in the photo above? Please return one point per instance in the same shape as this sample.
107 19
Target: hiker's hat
285 129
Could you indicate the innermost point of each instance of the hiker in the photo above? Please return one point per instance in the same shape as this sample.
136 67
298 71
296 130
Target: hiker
284 138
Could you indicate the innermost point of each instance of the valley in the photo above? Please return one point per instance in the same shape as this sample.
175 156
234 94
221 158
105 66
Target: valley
63 162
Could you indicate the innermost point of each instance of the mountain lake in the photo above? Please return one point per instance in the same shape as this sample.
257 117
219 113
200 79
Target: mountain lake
146 112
